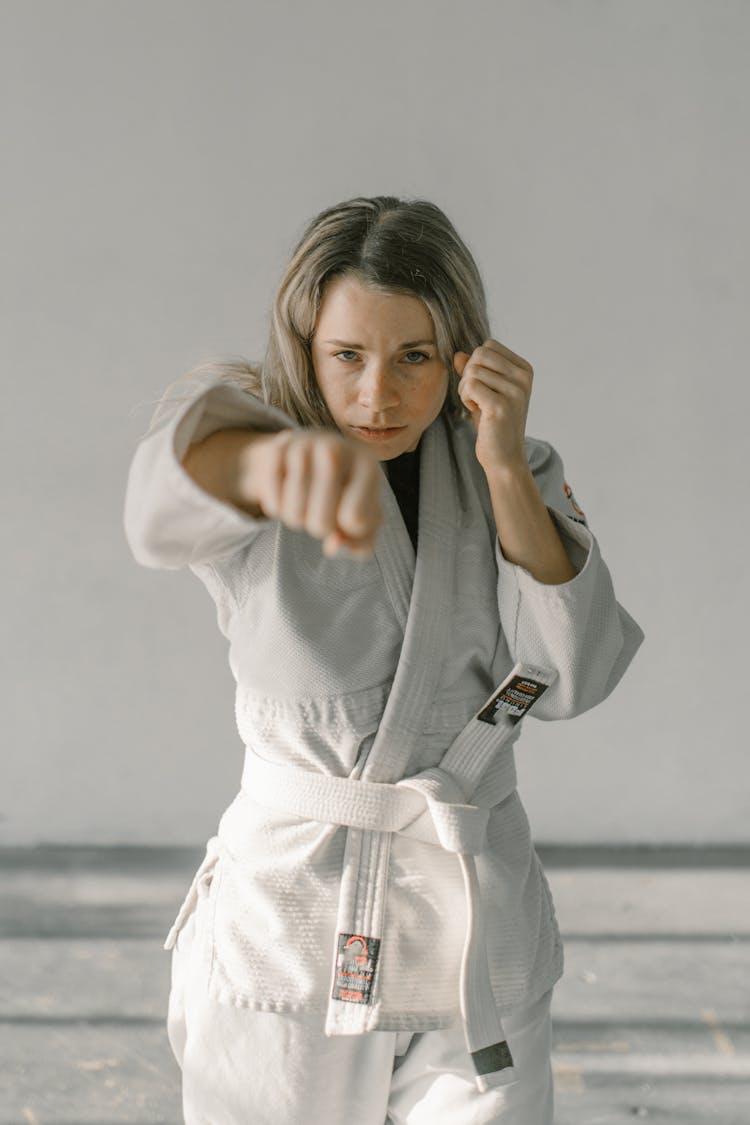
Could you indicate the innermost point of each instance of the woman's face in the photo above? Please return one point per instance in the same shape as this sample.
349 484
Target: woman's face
376 362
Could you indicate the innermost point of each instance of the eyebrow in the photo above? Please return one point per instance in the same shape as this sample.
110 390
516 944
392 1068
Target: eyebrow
408 344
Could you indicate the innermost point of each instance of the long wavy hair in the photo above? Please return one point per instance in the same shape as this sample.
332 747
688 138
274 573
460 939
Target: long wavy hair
406 246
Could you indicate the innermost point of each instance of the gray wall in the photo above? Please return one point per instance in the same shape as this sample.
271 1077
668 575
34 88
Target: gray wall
159 161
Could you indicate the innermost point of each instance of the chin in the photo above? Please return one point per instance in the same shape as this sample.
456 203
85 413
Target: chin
405 445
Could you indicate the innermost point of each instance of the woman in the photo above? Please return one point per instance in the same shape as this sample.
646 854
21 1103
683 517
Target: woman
402 574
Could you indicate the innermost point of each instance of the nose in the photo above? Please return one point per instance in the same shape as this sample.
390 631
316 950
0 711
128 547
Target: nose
378 389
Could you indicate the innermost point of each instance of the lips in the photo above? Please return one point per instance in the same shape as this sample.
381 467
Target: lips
378 433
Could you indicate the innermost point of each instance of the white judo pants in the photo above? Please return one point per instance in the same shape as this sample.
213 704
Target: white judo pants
242 1067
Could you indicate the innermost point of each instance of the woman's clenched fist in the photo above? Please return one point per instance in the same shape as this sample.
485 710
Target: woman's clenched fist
315 481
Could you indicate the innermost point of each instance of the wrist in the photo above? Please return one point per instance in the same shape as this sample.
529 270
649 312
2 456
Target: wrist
250 469
510 475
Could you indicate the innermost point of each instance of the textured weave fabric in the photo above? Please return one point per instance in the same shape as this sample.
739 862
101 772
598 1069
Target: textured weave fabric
314 645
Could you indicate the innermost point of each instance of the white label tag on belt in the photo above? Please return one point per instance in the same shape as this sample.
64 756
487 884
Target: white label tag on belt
356 962
516 694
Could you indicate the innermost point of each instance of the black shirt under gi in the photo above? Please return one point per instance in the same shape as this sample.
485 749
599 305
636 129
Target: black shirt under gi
403 476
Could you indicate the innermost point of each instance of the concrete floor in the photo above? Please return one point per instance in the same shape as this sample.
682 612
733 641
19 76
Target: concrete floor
651 1020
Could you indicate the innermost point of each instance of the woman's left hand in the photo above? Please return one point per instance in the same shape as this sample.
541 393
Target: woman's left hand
495 385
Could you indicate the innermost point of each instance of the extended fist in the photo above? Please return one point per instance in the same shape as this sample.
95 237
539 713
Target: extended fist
318 482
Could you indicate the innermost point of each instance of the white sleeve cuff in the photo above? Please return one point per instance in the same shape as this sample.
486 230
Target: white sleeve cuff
578 542
170 521
575 628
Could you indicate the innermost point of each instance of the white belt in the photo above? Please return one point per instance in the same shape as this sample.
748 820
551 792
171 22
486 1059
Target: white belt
427 807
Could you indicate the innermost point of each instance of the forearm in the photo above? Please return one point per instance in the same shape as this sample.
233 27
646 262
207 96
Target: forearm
221 465
525 530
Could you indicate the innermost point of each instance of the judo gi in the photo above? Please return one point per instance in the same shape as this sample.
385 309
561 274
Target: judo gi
376 866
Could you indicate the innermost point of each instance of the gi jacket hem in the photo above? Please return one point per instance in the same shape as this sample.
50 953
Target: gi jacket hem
217 874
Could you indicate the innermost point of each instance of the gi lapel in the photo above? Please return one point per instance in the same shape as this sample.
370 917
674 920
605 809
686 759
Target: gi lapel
395 554
422 587
364 882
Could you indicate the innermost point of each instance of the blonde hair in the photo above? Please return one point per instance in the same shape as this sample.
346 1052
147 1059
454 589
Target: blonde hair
390 244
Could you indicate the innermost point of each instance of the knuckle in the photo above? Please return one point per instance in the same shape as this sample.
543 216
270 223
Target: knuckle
298 455
320 519
354 520
329 453
327 442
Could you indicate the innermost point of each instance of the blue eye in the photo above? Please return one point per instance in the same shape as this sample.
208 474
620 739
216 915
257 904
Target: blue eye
422 355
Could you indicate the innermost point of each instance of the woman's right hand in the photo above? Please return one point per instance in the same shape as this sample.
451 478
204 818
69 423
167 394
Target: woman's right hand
316 481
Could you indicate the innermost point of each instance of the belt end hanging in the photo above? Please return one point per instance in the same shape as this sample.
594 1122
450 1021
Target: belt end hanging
494 1066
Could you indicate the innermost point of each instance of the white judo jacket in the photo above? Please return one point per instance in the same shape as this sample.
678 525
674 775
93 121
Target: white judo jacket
376 863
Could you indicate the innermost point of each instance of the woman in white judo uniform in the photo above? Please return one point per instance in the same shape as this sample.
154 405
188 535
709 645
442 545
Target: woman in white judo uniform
402 575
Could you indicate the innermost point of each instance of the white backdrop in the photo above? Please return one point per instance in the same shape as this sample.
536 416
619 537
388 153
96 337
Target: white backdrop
161 158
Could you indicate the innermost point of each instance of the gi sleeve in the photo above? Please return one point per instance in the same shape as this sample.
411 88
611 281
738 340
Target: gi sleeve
576 628
170 521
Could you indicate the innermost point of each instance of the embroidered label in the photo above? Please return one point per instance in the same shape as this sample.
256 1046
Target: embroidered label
579 516
512 699
356 962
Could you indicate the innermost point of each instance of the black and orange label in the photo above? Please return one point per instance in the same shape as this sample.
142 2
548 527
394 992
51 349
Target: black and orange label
512 699
356 962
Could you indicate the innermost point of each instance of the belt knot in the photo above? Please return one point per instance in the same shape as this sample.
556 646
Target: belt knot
459 827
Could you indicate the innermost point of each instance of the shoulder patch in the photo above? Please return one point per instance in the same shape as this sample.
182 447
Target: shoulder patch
578 515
